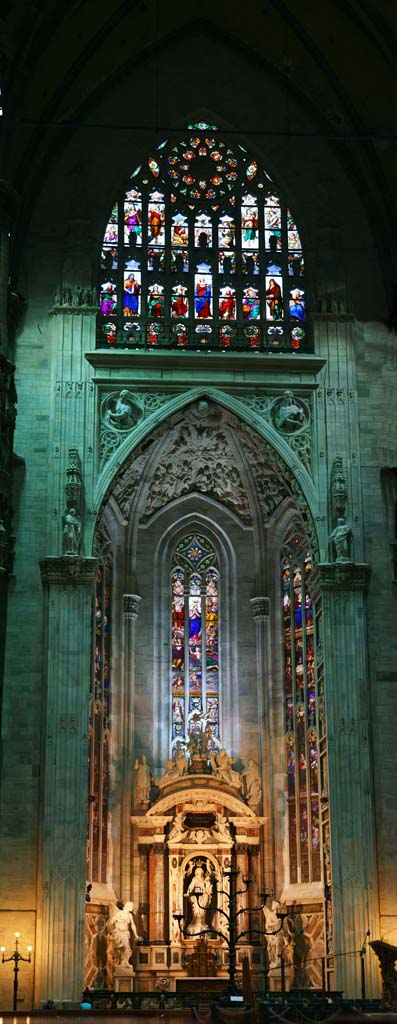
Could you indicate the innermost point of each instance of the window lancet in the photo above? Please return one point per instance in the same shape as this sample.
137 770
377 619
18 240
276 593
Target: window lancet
195 678
302 759
200 252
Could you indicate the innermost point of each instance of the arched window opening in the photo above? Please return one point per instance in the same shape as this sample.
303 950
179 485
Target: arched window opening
302 757
195 670
201 253
99 726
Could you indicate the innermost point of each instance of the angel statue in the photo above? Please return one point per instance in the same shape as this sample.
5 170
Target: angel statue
120 926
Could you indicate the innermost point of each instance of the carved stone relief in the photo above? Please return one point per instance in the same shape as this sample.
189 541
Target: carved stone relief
120 412
206 449
290 416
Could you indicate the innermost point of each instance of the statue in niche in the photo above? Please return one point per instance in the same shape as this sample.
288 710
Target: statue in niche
71 531
289 415
221 765
338 489
251 783
199 894
120 413
340 538
121 925
143 780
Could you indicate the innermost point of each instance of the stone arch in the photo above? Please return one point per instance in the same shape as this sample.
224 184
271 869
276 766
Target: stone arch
277 450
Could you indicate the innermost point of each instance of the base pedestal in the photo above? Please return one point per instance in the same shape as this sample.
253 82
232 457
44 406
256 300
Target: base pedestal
123 978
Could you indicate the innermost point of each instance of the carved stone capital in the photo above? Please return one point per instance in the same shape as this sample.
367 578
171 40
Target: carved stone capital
340 576
260 608
68 570
131 604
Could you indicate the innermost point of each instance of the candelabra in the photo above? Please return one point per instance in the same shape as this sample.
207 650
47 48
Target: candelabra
231 936
16 956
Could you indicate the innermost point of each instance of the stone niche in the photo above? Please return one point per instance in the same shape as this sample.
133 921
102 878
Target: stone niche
187 842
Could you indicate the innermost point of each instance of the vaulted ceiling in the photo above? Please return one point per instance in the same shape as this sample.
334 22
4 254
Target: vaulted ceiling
337 58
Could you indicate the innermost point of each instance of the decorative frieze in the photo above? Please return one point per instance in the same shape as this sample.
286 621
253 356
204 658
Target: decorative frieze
69 570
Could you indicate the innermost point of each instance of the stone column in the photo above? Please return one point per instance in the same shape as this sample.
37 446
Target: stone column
353 859
131 604
68 587
261 614
143 906
156 893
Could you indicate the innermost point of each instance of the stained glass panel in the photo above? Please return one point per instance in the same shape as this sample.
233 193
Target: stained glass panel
300 712
206 237
195 629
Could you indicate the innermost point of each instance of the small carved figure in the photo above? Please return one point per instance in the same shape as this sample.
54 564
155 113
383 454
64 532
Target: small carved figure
341 537
122 414
143 780
71 523
120 926
171 772
251 783
181 762
221 765
338 489
177 828
289 416
221 827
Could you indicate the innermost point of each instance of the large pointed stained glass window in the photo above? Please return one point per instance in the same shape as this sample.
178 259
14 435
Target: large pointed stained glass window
201 252
195 642
301 713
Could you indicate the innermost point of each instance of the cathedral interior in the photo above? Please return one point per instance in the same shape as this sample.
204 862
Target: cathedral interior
198 495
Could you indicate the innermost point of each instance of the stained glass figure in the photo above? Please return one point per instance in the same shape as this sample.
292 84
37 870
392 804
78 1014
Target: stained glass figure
251 303
249 223
274 298
111 232
179 301
203 231
227 303
203 296
300 705
195 642
108 298
156 300
201 214
179 230
132 294
156 219
294 241
133 218
297 305
226 232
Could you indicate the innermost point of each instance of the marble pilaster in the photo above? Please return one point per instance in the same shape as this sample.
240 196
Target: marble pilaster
68 583
353 858
156 892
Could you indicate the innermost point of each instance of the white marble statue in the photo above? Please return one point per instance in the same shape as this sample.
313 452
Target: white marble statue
71 531
274 942
143 780
171 772
221 765
121 925
199 894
